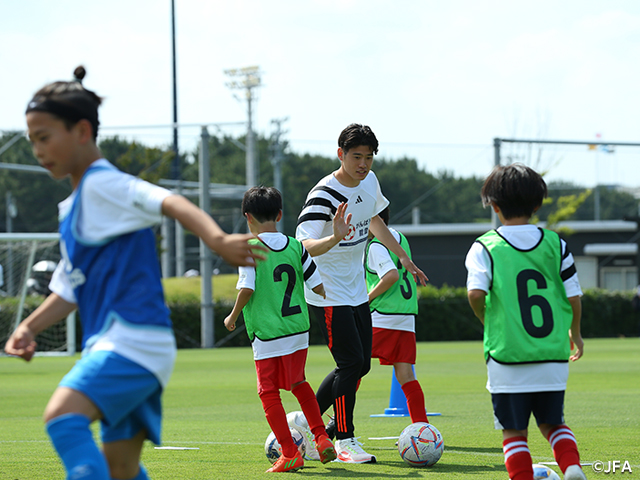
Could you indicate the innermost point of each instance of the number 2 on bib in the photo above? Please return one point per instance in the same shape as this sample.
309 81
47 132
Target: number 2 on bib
287 308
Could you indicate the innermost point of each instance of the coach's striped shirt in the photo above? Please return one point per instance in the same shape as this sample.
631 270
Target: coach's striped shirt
341 267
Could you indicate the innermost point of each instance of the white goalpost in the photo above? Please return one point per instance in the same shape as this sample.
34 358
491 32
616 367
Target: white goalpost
26 260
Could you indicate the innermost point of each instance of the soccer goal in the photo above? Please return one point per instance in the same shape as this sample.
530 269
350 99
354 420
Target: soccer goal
26 264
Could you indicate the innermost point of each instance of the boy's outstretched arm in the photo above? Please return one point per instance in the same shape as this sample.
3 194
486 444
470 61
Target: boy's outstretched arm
477 301
234 248
574 332
22 341
385 283
241 301
382 233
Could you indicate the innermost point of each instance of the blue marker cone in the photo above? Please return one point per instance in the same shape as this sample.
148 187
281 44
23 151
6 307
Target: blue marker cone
398 401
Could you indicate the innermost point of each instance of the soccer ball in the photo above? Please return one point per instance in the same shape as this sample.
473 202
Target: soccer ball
298 421
273 450
420 445
541 472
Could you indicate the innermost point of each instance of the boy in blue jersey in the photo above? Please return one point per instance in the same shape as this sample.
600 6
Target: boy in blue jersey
109 272
523 286
276 316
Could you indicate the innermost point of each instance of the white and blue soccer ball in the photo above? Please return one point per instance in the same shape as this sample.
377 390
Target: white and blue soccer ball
542 472
273 449
298 421
420 445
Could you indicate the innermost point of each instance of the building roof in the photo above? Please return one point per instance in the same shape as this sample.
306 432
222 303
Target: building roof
431 229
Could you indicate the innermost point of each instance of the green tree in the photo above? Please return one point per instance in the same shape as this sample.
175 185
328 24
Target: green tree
36 195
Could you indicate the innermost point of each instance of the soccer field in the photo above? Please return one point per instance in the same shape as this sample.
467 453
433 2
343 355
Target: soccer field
211 404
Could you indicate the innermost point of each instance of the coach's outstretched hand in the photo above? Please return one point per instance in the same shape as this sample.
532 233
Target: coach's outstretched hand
418 274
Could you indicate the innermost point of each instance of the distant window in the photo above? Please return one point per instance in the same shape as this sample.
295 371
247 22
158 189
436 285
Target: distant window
619 278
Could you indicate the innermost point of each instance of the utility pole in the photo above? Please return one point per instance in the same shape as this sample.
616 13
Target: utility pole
207 331
276 148
248 80
12 212
497 161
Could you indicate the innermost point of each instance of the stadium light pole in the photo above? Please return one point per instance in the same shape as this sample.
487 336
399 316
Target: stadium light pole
247 79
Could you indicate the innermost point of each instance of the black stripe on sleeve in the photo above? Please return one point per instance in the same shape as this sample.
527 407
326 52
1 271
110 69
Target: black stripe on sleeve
568 273
310 271
334 193
305 255
314 216
323 202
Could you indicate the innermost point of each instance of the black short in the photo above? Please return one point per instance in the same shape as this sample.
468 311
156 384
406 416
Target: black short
512 411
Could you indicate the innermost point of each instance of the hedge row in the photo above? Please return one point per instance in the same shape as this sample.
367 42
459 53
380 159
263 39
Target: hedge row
444 314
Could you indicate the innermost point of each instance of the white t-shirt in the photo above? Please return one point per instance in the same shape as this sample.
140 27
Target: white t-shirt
115 203
381 262
530 377
341 267
247 279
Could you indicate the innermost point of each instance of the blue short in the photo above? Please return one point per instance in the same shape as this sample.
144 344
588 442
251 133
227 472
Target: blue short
127 395
512 411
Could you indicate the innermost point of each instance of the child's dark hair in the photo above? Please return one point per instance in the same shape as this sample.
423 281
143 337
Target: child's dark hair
356 135
69 101
516 189
264 203
384 215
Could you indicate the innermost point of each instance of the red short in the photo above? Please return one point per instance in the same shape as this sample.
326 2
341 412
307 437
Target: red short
280 373
393 346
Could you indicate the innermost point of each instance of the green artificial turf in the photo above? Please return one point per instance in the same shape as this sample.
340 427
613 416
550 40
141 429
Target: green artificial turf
211 404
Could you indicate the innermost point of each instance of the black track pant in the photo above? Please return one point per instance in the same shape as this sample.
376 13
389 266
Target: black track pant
347 331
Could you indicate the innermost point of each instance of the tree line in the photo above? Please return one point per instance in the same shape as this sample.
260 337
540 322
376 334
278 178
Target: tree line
440 197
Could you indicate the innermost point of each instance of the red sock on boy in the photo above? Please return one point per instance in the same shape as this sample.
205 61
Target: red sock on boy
415 401
517 458
565 448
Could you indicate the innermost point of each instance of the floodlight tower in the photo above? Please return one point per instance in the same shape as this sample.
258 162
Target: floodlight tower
248 80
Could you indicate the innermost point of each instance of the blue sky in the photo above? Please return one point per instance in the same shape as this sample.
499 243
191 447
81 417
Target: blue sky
436 80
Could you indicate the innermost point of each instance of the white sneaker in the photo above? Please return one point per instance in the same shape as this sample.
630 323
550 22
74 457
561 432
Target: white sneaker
298 421
574 472
349 450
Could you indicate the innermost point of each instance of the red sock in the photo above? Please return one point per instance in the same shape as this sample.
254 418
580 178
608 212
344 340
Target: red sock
415 401
277 419
565 448
517 458
309 405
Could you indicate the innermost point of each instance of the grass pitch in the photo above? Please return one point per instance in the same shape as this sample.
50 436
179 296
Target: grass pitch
211 404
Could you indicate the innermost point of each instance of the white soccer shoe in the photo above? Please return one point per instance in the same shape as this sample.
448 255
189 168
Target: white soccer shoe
574 472
298 421
350 450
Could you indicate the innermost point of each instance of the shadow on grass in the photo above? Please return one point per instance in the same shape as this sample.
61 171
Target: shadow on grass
402 470
497 450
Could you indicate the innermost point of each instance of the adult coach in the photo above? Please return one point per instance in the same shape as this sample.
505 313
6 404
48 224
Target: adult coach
333 226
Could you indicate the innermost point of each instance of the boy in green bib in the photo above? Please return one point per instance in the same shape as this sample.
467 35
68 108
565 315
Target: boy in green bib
271 297
393 301
523 286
